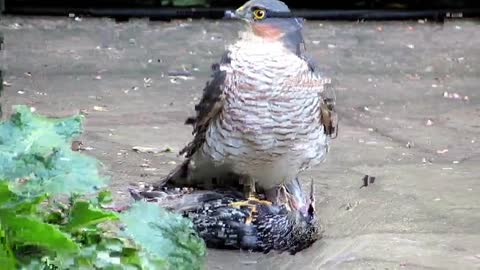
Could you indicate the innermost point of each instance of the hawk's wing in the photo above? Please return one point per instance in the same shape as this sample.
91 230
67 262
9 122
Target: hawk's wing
207 109
328 115
295 42
210 105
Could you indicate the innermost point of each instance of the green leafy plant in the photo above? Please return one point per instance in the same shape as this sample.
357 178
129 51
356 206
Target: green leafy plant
41 230
165 235
36 155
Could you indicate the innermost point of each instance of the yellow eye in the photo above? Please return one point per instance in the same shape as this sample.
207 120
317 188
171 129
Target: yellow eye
259 14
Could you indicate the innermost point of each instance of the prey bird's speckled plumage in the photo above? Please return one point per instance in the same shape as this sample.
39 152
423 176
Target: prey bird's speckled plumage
264 115
256 225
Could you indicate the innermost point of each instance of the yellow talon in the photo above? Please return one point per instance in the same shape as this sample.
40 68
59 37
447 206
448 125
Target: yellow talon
258 201
242 203
239 204
252 204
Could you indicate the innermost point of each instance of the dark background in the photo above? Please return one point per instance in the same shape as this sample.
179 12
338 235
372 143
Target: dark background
169 9
336 4
436 10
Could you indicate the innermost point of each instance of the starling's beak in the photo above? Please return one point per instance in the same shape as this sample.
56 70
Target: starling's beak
297 198
311 206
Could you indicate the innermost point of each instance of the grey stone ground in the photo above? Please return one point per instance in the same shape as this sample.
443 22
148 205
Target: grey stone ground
422 212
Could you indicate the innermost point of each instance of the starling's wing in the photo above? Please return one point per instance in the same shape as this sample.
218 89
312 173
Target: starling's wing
207 109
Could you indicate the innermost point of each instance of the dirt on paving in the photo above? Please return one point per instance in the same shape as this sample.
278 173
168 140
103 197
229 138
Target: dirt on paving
407 97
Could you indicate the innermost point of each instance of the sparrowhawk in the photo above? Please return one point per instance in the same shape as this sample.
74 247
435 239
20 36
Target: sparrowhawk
263 116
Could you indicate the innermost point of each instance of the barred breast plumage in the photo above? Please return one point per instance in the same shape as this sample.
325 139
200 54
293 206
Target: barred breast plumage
262 119
269 127
264 116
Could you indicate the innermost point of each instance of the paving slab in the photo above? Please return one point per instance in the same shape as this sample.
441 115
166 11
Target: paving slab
407 95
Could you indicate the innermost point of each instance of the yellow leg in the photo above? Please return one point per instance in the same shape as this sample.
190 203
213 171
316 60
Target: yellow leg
252 201
248 187
250 192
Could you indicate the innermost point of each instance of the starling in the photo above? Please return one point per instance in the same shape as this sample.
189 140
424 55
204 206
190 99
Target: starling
227 220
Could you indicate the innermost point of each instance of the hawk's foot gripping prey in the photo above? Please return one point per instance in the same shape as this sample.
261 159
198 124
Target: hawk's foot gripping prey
250 203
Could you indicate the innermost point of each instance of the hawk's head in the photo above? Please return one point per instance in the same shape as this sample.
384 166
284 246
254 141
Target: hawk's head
271 19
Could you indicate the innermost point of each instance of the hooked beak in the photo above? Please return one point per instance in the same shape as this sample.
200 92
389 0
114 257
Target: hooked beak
239 13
